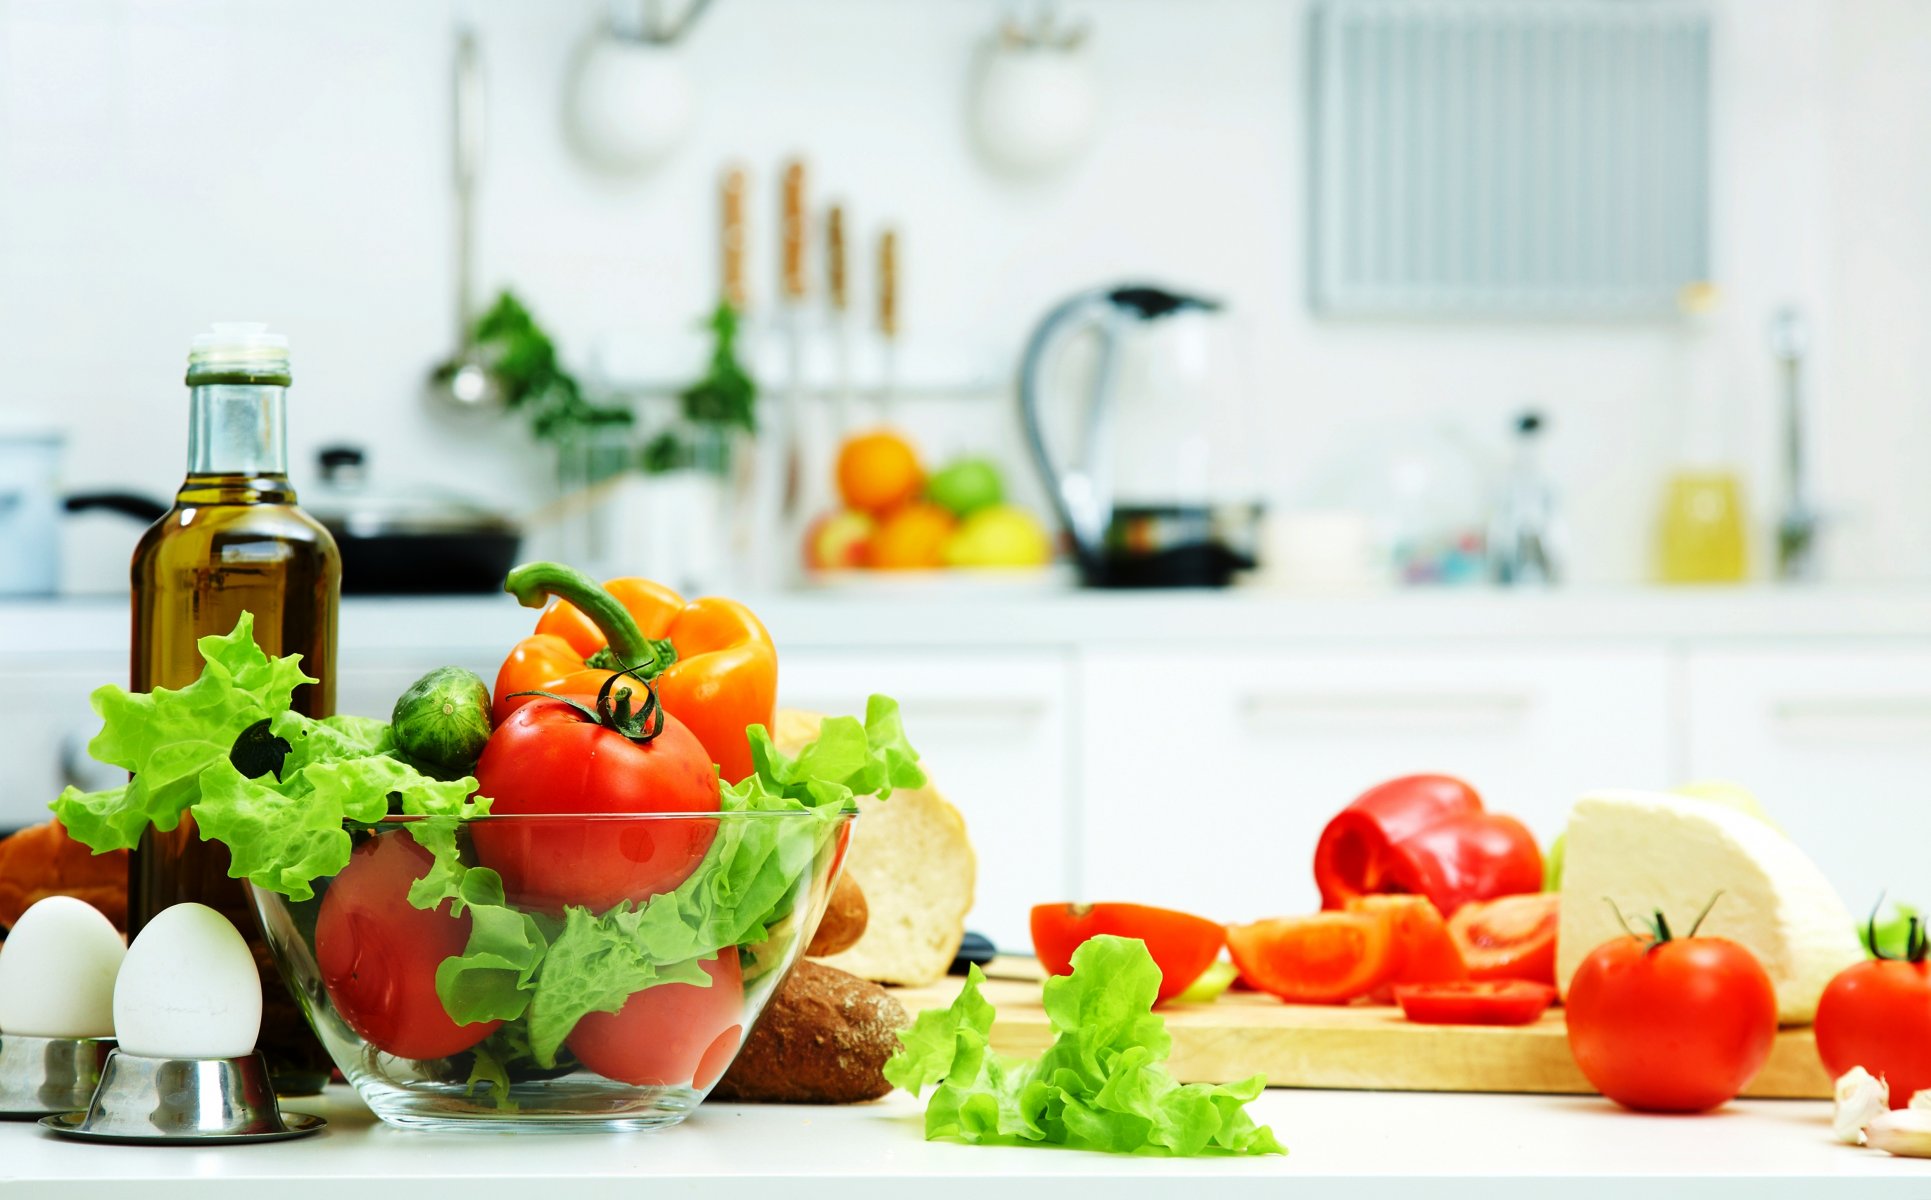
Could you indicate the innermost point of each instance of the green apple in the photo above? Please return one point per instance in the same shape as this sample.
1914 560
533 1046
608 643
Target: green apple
965 486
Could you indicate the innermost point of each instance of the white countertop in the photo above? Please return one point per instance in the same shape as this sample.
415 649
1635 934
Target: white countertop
1342 1146
924 613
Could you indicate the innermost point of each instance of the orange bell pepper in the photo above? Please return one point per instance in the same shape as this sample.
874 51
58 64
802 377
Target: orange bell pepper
711 660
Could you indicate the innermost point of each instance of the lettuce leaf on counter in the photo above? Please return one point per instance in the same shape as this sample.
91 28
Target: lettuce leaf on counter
1102 1085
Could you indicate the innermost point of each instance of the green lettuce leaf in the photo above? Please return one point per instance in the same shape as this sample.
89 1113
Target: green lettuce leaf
593 965
493 978
1101 1085
166 738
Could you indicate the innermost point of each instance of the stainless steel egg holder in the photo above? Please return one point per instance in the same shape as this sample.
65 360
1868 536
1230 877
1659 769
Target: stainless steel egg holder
202 1101
41 1075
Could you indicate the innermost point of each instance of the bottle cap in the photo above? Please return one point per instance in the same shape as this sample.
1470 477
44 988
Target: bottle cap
245 347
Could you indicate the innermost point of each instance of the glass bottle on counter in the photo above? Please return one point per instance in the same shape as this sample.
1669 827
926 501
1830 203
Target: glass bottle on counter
234 541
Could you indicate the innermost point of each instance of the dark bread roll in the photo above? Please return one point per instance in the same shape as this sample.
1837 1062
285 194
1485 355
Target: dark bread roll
846 914
43 861
823 1039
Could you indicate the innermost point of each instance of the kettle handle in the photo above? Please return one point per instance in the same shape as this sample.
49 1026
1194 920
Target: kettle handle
1078 493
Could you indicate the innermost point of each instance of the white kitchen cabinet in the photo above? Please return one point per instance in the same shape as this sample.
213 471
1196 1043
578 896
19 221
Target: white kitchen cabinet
1837 745
993 733
1207 777
48 723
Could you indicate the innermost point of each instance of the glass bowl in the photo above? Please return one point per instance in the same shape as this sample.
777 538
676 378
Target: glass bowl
594 972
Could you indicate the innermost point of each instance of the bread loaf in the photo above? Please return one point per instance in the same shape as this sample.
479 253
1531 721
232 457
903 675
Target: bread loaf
911 857
823 1039
844 921
42 861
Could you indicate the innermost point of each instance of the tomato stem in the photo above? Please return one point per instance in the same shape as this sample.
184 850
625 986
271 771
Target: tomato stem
614 713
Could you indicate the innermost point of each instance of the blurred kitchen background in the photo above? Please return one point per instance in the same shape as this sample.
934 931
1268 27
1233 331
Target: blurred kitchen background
1452 331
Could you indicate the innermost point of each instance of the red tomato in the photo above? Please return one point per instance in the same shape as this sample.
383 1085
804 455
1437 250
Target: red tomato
1182 945
669 1035
1673 1026
1877 1015
547 757
1423 951
1488 1002
1327 958
1510 938
378 953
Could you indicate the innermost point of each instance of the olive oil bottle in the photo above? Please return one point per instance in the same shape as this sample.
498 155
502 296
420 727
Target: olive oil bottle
233 542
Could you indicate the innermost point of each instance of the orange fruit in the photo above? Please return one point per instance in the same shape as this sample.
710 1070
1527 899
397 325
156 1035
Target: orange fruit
878 471
913 538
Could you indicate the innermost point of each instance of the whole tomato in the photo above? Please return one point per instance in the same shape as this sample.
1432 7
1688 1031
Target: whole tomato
1671 1024
1877 1015
558 756
669 1035
378 953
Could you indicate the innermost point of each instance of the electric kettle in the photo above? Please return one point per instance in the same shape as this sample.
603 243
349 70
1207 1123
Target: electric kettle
1136 417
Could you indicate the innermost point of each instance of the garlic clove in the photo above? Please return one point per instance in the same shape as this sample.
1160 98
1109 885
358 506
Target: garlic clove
1861 1099
1905 1132
1920 1100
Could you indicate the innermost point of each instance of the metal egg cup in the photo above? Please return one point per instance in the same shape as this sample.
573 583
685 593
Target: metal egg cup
41 1075
200 1100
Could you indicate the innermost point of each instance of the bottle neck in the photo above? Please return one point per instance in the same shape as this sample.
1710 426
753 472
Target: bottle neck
238 429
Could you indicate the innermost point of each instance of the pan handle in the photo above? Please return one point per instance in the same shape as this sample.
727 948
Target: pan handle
128 504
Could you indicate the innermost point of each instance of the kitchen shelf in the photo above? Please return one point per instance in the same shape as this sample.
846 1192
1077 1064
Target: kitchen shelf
1342 1146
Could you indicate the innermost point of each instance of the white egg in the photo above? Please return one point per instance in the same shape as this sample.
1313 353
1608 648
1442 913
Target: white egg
188 988
57 971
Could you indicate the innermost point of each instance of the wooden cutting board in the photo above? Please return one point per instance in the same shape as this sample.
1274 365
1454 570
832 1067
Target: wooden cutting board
1356 1047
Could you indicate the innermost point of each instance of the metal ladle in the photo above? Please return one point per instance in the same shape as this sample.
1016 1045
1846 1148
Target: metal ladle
467 380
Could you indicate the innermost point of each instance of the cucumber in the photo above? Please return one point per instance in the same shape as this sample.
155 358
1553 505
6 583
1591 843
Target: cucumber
443 720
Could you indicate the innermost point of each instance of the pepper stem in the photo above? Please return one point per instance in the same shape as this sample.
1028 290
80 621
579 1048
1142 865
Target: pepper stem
534 583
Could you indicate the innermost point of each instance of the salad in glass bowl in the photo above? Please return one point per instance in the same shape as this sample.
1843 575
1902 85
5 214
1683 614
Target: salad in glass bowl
550 912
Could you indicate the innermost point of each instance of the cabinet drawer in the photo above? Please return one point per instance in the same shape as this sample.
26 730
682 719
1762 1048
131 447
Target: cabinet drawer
992 733
1837 744
1206 783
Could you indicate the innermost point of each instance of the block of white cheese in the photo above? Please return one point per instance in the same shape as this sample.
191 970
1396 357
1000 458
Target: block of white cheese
1642 851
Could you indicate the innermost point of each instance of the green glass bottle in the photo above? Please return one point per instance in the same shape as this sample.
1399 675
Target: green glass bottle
234 541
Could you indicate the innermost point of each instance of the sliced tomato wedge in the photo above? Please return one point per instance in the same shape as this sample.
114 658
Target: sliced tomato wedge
1327 958
1423 950
1475 1002
1513 937
1182 945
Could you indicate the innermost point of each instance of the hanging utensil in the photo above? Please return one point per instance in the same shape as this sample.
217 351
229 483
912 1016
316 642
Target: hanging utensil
467 379
887 324
791 311
839 295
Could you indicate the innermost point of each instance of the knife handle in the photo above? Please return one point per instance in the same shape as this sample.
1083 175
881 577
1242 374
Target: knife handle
731 241
792 230
888 283
835 282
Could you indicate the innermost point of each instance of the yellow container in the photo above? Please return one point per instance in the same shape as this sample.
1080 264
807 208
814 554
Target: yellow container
1704 535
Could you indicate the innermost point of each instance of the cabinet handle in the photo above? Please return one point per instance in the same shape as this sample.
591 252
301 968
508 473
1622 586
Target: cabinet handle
955 708
1424 710
1853 718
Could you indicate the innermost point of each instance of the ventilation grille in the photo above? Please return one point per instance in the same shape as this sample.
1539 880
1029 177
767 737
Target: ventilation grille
1509 157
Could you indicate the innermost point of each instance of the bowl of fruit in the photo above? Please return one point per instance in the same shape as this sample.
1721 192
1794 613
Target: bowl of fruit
896 516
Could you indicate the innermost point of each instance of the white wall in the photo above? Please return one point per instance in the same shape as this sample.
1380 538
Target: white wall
168 162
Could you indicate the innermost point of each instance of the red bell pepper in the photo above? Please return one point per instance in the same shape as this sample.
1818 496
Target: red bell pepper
1427 835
